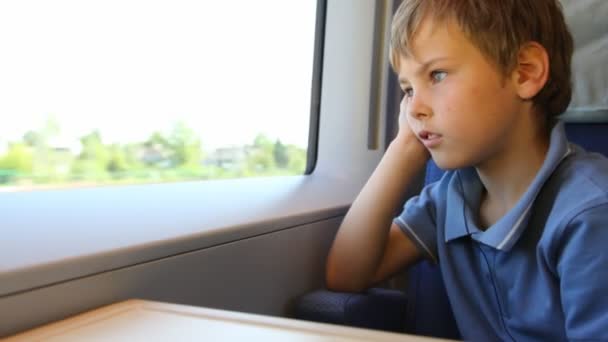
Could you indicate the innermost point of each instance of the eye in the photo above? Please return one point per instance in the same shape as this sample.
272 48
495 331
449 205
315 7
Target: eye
409 92
438 75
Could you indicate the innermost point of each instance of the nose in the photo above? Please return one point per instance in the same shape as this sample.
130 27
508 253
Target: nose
417 106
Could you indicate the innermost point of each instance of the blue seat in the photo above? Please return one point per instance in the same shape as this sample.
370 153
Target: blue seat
590 136
424 308
375 308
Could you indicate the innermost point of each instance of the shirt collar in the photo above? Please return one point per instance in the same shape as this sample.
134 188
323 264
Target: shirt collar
464 194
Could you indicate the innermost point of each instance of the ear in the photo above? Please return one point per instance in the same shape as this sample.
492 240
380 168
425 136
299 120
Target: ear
532 70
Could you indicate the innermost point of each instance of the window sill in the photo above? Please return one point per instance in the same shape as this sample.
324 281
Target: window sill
57 235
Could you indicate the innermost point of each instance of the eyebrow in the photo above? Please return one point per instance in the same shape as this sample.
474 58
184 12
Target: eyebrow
425 66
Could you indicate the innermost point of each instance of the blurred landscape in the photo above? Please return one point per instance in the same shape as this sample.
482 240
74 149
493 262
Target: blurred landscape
38 160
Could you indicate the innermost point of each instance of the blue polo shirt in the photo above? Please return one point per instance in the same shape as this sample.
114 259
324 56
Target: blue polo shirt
541 272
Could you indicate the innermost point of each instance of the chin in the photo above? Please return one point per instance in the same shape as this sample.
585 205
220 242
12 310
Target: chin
449 163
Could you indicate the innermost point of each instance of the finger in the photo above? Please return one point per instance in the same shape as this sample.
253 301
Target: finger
403 105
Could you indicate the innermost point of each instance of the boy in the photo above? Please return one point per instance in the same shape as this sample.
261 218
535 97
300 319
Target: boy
519 223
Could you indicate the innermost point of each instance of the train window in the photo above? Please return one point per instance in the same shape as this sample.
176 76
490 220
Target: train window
133 91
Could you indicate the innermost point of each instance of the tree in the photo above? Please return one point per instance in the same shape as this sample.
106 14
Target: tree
297 159
18 158
185 146
44 157
261 158
259 162
16 162
157 151
94 158
281 156
118 162
33 139
94 149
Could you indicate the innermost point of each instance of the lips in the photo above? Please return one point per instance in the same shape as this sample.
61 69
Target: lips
426 135
430 139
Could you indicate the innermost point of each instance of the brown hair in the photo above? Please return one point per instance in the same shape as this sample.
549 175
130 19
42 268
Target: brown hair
499 28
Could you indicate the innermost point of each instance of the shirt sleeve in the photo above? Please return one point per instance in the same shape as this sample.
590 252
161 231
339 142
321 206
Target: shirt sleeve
583 270
418 220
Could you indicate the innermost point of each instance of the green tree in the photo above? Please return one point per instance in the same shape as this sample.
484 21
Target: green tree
16 162
297 159
185 146
157 151
93 161
281 155
260 160
118 163
33 139
44 158
94 149
132 156
262 141
18 158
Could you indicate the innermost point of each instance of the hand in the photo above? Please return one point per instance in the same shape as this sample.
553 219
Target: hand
405 131
406 136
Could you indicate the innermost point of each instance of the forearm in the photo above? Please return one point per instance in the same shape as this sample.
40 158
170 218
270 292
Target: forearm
362 237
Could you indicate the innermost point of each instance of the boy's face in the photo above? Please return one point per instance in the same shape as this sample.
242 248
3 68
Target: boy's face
458 104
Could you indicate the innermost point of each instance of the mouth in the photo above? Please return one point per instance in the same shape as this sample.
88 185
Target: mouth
430 139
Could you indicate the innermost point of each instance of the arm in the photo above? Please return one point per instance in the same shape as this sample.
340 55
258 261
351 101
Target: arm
583 272
368 247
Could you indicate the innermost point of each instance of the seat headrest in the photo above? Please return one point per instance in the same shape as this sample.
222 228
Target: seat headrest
589 27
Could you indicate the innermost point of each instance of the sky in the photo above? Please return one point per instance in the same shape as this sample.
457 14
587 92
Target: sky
228 69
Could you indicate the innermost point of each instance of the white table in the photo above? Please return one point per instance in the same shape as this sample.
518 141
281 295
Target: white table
139 320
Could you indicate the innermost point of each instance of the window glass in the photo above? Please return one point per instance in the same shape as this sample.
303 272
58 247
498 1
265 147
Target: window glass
132 91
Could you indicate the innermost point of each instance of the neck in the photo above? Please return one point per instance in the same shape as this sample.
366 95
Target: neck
507 175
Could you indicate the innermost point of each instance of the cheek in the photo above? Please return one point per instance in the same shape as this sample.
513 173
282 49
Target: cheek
468 112
455 107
